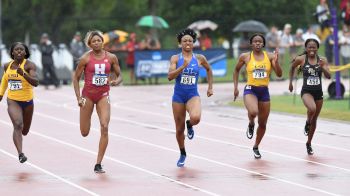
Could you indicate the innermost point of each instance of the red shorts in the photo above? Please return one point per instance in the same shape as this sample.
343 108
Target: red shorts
94 95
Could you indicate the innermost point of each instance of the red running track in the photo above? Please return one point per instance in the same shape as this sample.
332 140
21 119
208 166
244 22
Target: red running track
142 152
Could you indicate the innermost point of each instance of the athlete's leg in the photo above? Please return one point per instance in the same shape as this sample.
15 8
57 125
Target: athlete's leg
16 116
103 109
27 118
264 111
179 112
251 104
85 117
313 120
193 107
310 105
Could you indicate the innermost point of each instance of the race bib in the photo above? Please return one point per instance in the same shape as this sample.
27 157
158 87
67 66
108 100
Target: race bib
259 73
15 85
188 80
100 79
313 81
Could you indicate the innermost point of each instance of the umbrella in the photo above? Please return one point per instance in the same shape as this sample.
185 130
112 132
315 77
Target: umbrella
116 34
152 21
203 24
251 26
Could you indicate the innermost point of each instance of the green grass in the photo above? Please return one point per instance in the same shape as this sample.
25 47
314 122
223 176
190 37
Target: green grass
332 109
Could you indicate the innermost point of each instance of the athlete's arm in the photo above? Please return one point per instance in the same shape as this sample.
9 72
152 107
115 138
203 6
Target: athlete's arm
116 68
207 67
295 63
4 81
239 65
274 62
78 72
173 72
324 67
31 77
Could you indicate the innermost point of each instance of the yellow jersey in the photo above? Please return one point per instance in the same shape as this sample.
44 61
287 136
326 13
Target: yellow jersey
258 72
19 89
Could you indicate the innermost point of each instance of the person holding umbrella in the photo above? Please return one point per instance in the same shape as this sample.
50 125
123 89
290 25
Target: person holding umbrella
259 65
184 68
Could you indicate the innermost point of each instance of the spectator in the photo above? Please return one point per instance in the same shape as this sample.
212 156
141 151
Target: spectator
329 44
77 48
131 46
322 13
205 41
298 42
244 46
346 14
272 39
345 47
286 42
49 72
151 43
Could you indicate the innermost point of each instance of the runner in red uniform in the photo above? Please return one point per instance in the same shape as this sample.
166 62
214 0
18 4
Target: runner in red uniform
96 65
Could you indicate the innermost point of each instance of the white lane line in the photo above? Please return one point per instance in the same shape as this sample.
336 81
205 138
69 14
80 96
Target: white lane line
51 174
230 128
202 137
196 156
106 157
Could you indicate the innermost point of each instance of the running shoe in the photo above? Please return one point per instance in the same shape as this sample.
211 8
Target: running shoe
309 149
22 158
250 131
257 154
181 161
307 128
98 169
190 131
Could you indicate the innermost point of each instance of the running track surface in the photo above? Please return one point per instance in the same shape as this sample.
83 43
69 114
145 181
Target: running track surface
142 152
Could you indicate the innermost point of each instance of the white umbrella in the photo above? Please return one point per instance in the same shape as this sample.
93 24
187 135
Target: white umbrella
203 24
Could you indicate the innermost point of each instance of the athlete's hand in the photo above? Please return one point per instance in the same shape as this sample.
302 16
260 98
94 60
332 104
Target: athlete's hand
290 87
113 82
209 92
236 93
81 101
275 57
322 63
186 63
20 71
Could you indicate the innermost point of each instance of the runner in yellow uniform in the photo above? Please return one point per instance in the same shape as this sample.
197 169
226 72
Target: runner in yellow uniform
19 78
256 92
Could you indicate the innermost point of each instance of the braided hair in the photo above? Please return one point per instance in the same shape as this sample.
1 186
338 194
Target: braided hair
189 32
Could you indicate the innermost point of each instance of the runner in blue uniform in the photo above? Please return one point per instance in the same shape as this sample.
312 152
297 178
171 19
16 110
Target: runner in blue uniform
312 66
184 67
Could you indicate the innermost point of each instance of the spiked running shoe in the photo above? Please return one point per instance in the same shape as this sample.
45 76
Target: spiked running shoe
22 158
257 154
190 131
309 149
307 128
181 161
250 131
98 169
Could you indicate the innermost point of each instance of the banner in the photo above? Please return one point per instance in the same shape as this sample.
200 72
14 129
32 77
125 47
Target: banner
150 63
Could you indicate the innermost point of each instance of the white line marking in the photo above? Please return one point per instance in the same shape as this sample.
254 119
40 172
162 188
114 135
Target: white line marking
106 157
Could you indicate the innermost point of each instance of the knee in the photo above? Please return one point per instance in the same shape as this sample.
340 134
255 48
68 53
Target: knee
18 126
195 120
262 125
253 114
311 111
104 129
84 133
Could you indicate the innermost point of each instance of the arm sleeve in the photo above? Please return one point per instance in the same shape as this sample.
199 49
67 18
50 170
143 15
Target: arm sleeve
3 85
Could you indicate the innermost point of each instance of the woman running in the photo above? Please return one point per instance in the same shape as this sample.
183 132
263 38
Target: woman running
19 78
97 65
312 66
184 67
259 65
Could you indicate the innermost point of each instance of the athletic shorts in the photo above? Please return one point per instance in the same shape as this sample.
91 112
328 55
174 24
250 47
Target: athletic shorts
260 92
94 96
24 104
182 96
316 94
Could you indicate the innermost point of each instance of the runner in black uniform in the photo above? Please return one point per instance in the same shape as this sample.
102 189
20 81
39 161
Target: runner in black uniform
312 66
